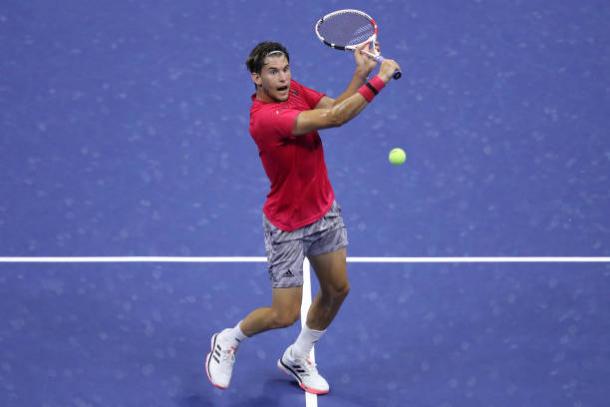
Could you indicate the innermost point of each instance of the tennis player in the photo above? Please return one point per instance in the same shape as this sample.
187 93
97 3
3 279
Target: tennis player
300 216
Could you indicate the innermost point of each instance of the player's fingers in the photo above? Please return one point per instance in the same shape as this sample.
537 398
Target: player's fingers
362 47
388 67
392 63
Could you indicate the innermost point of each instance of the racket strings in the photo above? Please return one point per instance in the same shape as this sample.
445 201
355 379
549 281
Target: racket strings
346 29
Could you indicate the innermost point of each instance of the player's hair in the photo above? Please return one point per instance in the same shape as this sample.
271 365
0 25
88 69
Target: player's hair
256 59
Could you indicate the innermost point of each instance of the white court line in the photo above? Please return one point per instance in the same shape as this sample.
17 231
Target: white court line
133 259
311 400
256 259
479 260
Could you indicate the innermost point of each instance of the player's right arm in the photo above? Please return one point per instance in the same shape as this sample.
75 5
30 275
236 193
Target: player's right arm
342 112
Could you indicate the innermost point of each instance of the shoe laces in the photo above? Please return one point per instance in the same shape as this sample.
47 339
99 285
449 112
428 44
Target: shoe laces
229 354
312 366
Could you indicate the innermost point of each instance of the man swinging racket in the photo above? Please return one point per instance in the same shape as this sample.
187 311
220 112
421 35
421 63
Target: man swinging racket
300 216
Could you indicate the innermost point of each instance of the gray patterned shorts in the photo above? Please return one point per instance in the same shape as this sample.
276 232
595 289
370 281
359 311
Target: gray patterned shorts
286 251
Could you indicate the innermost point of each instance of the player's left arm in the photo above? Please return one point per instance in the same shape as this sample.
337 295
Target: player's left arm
364 66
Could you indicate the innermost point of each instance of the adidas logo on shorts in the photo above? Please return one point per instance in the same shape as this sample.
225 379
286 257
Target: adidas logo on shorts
288 274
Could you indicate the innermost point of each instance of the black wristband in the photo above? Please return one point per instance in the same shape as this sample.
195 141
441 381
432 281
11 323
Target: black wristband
372 88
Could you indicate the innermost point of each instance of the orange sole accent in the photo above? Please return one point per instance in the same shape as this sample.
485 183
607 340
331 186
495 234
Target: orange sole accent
314 391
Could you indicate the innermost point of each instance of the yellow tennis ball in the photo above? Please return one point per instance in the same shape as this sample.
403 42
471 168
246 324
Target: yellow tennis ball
397 156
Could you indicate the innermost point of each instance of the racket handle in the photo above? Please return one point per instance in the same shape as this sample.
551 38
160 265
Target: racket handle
397 74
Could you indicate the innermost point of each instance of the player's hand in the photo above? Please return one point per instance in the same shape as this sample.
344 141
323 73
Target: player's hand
364 63
387 69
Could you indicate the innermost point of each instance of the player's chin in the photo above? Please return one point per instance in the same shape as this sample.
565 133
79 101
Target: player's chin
279 97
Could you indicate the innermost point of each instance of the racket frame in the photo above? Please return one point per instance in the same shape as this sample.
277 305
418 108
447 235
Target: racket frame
372 39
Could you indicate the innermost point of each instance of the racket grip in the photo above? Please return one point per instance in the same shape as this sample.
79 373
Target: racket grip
397 74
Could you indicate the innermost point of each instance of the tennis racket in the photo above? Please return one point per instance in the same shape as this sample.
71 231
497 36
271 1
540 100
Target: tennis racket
348 29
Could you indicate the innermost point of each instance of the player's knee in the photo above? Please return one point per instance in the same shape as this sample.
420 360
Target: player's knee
342 290
284 318
337 292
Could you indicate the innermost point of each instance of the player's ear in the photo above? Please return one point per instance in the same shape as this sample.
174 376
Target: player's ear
256 78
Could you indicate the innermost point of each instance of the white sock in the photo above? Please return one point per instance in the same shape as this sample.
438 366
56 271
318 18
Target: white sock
235 334
304 343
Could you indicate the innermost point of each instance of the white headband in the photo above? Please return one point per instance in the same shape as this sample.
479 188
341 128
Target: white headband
275 52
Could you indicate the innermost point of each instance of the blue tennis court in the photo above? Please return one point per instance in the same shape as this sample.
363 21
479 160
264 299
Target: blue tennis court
130 218
127 334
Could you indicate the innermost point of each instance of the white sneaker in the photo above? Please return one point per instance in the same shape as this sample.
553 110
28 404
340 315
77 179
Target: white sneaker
304 371
219 362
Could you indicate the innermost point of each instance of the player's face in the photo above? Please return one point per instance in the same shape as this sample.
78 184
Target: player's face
274 80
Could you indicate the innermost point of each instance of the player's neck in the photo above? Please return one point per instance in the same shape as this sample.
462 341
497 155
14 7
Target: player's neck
263 97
